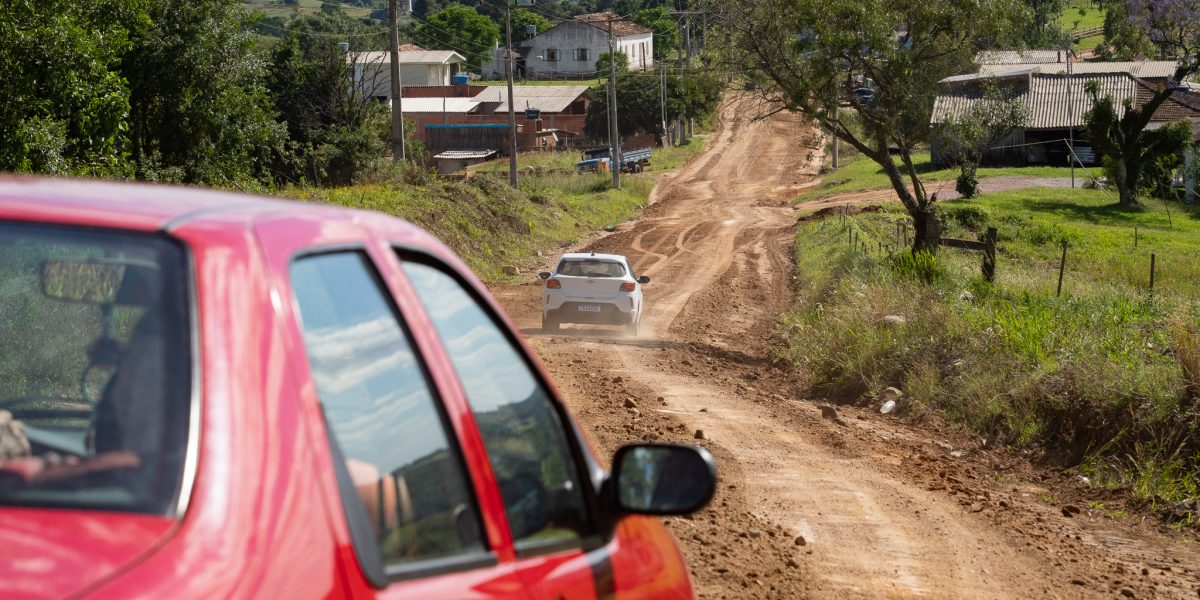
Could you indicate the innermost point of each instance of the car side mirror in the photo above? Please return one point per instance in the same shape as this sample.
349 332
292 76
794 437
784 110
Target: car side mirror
644 279
544 275
662 479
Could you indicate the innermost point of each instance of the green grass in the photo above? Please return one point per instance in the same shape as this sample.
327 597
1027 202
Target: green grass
1072 19
1107 376
490 225
863 174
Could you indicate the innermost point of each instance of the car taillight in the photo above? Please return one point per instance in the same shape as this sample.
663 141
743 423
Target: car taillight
553 284
627 286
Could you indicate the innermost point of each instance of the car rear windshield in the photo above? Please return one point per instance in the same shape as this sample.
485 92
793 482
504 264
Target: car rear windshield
591 268
95 372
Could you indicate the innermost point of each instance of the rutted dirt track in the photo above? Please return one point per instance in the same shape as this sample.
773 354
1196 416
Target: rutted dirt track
861 507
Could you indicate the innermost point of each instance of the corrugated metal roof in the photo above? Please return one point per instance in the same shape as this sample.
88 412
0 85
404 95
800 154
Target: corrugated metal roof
434 105
1146 69
1020 57
1013 71
621 26
1047 99
419 57
466 154
548 98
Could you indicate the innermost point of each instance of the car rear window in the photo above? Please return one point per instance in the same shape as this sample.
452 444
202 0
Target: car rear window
591 268
95 372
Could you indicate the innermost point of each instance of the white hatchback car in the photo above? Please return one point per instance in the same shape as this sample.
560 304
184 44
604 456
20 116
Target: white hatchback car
593 289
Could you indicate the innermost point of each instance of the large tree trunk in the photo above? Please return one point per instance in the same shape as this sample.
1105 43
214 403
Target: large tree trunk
925 234
1125 184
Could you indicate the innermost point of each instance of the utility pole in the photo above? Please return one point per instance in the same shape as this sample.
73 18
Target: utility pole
662 91
512 110
685 130
682 137
1070 119
688 32
614 152
397 102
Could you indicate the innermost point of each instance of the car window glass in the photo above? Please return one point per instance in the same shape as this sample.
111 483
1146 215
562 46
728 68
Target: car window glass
524 434
383 415
95 369
591 268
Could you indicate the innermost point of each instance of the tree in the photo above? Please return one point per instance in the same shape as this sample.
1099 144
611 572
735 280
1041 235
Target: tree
1129 152
666 30
199 111
338 132
1043 30
810 55
970 134
63 105
463 28
603 63
1173 26
639 103
522 17
1122 40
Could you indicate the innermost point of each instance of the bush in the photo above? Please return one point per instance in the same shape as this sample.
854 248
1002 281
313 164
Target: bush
967 183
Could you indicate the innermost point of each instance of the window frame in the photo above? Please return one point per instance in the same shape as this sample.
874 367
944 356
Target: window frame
582 54
591 474
375 566
552 55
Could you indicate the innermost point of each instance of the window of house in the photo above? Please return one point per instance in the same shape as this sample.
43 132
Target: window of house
552 54
581 54
525 436
404 470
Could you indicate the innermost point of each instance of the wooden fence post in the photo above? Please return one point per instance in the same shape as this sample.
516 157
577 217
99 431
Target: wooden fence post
1062 265
1151 272
989 255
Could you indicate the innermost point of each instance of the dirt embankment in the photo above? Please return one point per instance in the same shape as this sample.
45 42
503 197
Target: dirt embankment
862 506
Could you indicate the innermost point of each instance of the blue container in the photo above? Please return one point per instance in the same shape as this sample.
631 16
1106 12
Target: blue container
459 78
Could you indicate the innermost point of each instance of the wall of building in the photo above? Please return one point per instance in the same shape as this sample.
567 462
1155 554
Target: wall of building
564 42
375 78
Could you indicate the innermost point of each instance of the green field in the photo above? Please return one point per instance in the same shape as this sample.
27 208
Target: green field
862 174
1105 377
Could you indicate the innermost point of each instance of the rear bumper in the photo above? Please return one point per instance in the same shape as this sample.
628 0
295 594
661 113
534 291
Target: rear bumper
609 314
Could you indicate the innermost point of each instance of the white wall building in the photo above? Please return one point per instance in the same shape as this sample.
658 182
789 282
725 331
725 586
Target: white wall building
372 73
570 49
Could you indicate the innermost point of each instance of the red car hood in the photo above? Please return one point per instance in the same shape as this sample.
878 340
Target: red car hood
53 553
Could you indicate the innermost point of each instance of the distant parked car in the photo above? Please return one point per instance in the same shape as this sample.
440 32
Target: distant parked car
592 288
213 395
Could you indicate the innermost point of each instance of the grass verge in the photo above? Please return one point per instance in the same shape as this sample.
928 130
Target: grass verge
494 227
862 174
1105 377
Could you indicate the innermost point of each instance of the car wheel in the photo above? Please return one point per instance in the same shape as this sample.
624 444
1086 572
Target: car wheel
631 328
549 324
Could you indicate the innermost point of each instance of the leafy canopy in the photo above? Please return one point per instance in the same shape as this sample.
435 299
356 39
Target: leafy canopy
463 28
811 56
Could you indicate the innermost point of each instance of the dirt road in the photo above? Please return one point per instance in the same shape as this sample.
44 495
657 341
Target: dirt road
864 506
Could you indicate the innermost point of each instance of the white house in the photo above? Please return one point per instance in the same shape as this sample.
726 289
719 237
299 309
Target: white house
570 49
373 76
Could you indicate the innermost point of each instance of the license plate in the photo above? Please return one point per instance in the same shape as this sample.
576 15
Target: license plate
589 308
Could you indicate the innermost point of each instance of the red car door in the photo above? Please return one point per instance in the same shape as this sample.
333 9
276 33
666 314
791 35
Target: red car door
538 465
412 512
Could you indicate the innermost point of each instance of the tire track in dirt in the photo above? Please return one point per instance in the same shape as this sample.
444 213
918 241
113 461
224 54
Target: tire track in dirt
806 507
